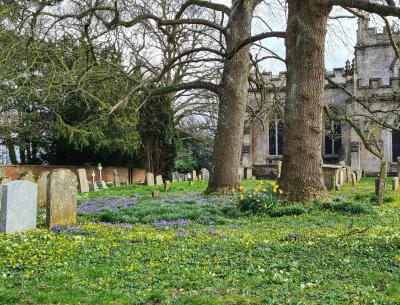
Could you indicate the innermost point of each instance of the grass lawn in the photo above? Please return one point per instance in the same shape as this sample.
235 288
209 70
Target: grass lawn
187 248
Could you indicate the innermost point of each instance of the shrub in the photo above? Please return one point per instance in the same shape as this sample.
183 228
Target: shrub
262 199
346 207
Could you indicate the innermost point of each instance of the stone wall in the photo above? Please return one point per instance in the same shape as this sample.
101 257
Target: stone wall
131 175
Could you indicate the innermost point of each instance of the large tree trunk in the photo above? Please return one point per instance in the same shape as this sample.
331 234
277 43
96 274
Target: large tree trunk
11 151
302 177
232 101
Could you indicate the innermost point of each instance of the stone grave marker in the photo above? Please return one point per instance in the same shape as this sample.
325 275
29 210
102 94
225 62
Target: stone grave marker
395 183
3 180
278 169
241 173
358 175
167 186
83 182
155 194
354 178
42 185
159 180
194 175
19 206
93 186
61 198
149 179
116 178
349 173
248 173
205 174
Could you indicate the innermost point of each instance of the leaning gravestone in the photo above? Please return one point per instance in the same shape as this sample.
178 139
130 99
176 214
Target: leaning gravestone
61 198
83 182
116 181
159 180
194 175
149 179
19 206
42 184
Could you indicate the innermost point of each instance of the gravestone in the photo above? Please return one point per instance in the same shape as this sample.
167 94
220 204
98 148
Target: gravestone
61 198
205 174
116 178
331 176
19 206
199 177
181 177
189 177
27 176
248 173
358 175
175 177
398 166
149 179
93 186
194 175
42 185
3 180
185 177
348 173
159 180
83 182
354 178
395 183
241 173
102 185
155 194
167 186
278 169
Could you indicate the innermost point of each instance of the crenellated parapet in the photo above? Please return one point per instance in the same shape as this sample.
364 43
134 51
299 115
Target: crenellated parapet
371 36
377 84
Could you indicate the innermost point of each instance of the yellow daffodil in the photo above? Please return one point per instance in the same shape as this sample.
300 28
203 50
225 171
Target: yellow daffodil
280 192
241 197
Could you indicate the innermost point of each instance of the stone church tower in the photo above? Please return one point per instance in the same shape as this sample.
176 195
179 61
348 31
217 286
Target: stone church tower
373 76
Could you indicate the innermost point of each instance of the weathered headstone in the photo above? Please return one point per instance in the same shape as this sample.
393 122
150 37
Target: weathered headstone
331 176
205 174
175 176
194 175
278 169
354 178
42 185
395 183
241 173
93 186
155 194
189 176
149 179
348 173
199 177
398 166
167 186
116 178
358 175
19 206
248 173
27 176
61 198
102 185
3 180
83 182
186 177
159 180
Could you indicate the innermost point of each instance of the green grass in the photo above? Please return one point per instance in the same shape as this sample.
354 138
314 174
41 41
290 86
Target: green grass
344 252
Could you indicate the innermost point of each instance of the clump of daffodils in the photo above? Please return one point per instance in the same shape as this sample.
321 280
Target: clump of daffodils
263 198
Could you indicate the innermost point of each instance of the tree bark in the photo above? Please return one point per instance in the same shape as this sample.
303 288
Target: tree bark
302 176
232 101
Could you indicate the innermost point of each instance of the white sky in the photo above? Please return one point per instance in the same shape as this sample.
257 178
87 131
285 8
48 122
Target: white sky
341 38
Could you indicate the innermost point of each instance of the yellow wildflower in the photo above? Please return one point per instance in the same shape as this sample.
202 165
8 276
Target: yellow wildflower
241 197
280 192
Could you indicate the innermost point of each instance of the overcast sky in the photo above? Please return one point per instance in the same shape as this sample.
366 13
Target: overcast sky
341 37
